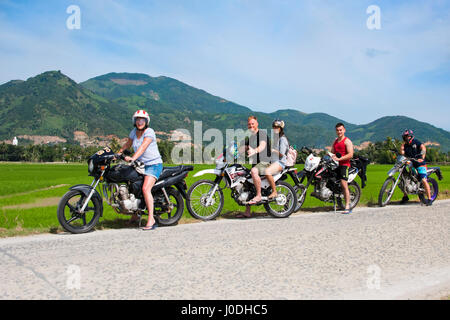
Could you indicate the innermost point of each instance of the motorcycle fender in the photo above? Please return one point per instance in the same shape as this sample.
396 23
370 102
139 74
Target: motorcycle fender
170 181
435 170
86 189
212 171
181 187
352 177
392 172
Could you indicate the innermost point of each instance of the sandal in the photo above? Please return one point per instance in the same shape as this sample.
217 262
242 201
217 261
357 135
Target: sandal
152 227
347 211
253 201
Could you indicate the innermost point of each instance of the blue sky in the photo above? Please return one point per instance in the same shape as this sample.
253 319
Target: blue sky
313 56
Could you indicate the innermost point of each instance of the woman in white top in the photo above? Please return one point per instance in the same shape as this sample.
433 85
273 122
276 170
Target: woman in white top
143 140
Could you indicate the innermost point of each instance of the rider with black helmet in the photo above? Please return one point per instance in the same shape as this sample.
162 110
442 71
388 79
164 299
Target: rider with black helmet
415 149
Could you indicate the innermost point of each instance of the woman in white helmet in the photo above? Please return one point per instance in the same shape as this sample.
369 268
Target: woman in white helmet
143 140
278 154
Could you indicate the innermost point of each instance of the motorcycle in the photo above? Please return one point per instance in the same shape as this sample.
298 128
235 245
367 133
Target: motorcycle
205 199
80 209
320 172
408 180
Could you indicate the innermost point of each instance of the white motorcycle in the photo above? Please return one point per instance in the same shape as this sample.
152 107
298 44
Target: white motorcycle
205 198
408 181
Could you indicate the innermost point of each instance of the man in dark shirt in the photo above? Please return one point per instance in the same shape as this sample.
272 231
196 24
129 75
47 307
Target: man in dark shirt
413 148
257 147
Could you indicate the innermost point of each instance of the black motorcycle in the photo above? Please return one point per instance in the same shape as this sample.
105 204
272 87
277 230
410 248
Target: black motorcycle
321 173
81 207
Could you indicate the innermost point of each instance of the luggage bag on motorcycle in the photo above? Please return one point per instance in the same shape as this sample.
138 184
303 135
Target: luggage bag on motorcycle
361 164
122 173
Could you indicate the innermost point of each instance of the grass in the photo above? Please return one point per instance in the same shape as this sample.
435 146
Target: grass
29 194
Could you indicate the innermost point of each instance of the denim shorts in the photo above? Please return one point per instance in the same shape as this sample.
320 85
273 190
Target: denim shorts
154 170
281 165
422 171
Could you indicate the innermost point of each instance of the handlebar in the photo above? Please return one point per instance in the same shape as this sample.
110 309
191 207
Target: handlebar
122 156
407 158
308 150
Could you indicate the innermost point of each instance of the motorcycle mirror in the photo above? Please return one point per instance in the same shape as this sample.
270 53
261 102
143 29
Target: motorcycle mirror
338 154
305 148
127 152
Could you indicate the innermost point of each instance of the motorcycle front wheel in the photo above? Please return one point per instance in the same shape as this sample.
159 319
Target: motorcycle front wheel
69 215
200 201
300 190
386 192
285 203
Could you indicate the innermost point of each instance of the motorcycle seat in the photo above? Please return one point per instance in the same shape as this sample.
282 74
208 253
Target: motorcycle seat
171 171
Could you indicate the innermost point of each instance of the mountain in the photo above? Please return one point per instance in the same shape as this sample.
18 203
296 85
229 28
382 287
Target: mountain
53 104
393 126
159 92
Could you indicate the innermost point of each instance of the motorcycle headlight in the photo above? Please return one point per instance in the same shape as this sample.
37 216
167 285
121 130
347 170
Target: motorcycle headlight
91 166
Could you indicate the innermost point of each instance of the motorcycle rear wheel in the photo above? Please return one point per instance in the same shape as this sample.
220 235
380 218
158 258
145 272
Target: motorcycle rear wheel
288 194
355 195
165 218
434 190
69 215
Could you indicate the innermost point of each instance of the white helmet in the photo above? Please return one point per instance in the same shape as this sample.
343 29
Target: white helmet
141 114
278 123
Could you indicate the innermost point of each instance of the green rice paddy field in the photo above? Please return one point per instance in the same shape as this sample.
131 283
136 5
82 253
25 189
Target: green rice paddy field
29 195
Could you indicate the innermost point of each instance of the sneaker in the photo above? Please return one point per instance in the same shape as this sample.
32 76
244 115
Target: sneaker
429 202
347 211
405 199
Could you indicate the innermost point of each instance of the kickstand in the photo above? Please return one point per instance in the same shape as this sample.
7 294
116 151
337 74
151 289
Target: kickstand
140 219
334 202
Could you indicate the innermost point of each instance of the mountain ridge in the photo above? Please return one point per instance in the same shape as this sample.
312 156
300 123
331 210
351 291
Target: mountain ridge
53 104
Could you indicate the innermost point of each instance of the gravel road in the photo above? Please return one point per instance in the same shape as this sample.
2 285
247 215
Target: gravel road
396 252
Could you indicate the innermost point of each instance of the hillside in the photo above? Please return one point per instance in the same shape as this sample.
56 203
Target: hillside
51 104
393 126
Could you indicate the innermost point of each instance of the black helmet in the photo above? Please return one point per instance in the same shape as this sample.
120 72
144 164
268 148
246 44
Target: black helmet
408 135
